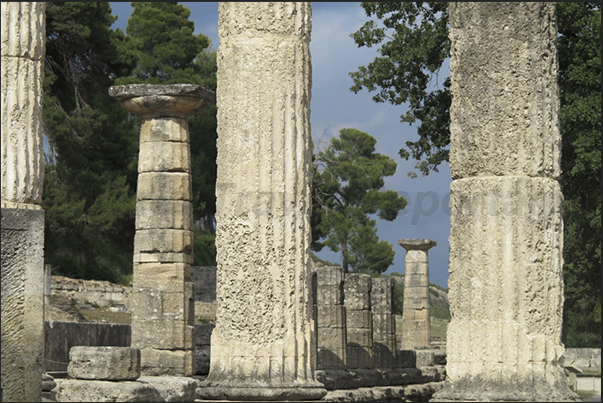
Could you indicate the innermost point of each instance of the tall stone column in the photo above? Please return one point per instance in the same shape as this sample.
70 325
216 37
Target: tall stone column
506 236
384 322
22 176
263 345
162 297
416 327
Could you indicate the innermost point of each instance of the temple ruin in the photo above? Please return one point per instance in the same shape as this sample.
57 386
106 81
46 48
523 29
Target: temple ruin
506 285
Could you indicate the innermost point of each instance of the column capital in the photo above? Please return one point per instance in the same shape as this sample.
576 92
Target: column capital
155 100
417 243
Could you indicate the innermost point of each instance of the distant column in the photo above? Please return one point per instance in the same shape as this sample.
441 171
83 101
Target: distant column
162 294
359 320
263 346
384 323
416 327
331 318
506 235
22 177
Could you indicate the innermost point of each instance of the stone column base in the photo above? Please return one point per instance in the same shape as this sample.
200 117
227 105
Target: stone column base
234 390
480 389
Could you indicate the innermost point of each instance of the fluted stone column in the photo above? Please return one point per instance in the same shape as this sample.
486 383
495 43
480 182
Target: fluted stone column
331 318
416 326
384 322
163 300
263 345
22 176
359 320
506 237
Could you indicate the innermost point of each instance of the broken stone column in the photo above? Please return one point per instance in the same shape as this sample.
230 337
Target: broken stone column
331 318
263 345
22 177
359 321
384 323
162 292
416 326
506 236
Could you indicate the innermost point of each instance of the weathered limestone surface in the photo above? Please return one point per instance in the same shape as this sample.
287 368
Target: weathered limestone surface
359 320
384 324
163 298
263 345
331 318
78 390
23 35
416 328
506 237
104 363
23 50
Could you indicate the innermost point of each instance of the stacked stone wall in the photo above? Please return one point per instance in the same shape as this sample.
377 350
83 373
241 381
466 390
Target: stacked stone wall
359 320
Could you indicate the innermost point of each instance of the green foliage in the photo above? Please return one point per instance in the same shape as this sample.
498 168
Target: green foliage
347 181
579 47
417 45
205 249
414 44
90 182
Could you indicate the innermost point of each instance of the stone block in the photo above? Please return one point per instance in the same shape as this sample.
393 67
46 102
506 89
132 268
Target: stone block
359 357
406 359
331 316
164 214
22 302
358 319
360 336
418 279
357 283
382 290
331 358
154 362
164 129
383 355
76 390
205 283
163 241
328 337
164 156
329 295
173 388
164 186
157 304
164 257
329 276
104 363
163 334
425 358
383 324
162 277
355 301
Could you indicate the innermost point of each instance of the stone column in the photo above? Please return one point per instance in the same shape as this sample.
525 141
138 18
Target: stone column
416 327
263 346
359 321
22 177
506 236
384 323
331 318
162 294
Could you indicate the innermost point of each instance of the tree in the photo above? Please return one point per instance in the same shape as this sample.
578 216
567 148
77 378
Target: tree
416 47
579 47
347 181
90 181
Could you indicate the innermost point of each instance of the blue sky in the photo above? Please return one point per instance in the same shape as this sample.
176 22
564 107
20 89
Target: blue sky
334 106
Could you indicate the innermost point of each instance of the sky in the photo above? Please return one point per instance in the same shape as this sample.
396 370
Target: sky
334 107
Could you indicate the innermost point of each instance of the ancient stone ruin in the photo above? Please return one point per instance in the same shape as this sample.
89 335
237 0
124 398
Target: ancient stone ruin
506 288
22 177
506 236
416 327
163 302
